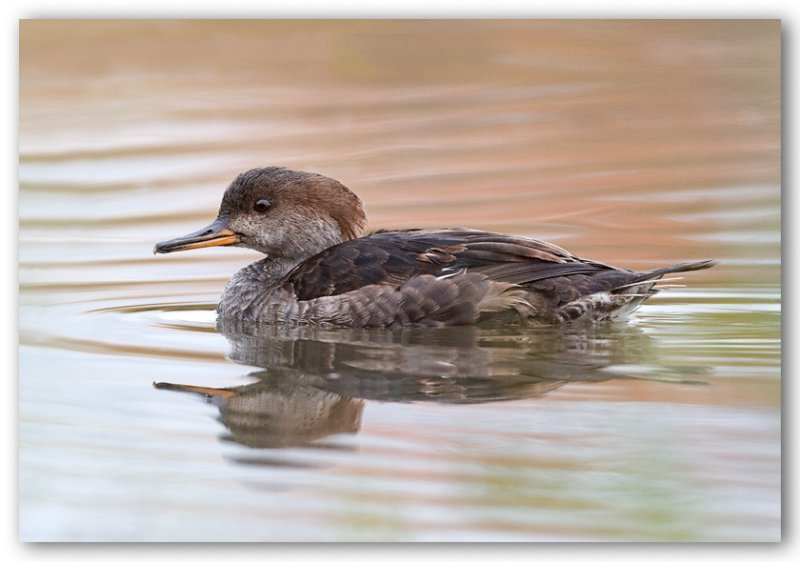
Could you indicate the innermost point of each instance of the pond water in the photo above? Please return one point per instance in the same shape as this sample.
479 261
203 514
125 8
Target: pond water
636 143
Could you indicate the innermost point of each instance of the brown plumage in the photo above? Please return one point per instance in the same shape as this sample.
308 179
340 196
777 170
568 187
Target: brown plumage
318 270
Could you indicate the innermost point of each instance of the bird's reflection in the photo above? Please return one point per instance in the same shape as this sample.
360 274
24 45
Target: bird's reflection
313 381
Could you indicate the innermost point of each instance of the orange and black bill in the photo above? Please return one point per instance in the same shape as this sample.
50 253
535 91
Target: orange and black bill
215 234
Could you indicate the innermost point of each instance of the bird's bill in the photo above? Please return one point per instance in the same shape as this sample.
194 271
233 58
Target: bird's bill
215 234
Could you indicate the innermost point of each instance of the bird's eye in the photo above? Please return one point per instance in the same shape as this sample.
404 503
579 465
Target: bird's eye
261 206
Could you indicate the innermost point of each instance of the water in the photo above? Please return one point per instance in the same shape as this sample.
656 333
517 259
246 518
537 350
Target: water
635 143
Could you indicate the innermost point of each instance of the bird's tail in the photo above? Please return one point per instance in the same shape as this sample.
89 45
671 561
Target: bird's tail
677 268
645 282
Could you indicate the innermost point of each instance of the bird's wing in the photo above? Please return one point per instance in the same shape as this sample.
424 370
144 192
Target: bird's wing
394 257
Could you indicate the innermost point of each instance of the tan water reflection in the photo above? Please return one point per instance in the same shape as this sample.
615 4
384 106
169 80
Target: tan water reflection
315 379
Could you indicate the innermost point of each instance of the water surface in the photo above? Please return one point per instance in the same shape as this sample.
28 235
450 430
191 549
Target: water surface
635 143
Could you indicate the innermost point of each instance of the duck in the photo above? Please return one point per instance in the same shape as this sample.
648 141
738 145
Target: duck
319 269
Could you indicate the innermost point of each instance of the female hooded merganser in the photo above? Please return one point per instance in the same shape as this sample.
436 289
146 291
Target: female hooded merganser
319 271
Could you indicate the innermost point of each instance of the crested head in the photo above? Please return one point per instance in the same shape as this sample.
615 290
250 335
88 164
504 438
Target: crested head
292 214
285 214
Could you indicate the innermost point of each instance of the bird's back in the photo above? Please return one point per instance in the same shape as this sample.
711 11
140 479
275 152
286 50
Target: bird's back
456 276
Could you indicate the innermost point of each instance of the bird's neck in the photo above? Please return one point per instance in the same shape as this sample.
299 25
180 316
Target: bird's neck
254 283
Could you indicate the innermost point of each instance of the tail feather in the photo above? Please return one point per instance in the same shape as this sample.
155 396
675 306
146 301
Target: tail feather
649 279
677 268
628 291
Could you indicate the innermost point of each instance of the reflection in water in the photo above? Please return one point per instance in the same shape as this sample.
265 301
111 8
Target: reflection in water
315 379
280 410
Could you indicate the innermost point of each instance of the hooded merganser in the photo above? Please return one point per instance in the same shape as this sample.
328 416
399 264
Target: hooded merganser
319 271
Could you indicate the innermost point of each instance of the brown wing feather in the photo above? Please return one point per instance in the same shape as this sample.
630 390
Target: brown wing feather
393 257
